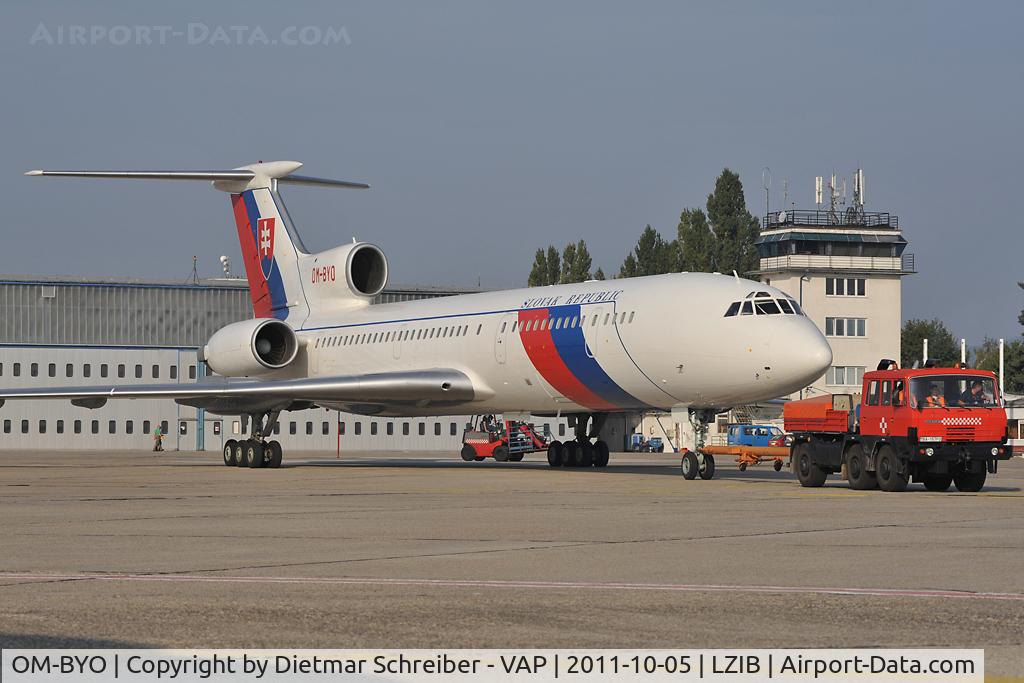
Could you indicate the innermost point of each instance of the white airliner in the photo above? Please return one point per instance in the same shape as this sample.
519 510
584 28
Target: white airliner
697 341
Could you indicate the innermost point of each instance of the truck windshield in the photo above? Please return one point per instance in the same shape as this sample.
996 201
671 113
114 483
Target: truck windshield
952 391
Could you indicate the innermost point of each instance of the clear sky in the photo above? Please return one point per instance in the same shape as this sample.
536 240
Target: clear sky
490 129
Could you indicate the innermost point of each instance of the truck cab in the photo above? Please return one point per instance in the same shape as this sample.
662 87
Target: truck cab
936 425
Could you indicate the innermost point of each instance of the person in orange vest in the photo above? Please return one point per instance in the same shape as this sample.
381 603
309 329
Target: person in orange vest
935 399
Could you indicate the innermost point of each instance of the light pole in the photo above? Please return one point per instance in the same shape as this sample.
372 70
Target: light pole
804 277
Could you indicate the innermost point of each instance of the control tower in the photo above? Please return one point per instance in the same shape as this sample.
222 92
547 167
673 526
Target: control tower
844 265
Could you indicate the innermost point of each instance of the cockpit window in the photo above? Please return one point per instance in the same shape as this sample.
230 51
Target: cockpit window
763 307
767 307
748 308
796 307
786 308
734 308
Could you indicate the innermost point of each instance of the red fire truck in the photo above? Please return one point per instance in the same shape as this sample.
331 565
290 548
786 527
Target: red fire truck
934 425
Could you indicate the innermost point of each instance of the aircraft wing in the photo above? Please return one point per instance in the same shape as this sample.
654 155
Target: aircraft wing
232 395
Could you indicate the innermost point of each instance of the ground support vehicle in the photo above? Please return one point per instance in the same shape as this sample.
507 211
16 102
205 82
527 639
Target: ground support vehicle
503 440
638 444
934 425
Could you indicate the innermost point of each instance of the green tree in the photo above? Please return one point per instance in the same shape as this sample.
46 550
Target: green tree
599 275
576 262
986 357
628 268
652 255
539 272
1020 318
554 266
695 242
941 343
735 229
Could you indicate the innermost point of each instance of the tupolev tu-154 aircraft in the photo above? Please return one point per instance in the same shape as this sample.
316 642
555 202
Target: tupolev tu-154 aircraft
697 342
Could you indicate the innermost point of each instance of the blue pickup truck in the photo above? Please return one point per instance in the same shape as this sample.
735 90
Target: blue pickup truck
752 435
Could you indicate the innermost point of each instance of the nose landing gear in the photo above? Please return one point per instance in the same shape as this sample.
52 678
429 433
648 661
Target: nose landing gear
696 462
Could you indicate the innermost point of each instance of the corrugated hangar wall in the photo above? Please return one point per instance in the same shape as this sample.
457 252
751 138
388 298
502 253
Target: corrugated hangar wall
63 332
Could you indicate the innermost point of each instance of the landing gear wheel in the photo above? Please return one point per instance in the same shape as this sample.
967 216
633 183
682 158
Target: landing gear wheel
468 453
937 482
778 465
600 454
556 453
229 453
516 457
706 469
240 455
969 482
501 453
689 465
807 473
743 467
856 473
586 454
573 454
276 454
887 470
254 454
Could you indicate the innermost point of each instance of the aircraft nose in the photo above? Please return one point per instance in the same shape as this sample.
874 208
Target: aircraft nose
815 355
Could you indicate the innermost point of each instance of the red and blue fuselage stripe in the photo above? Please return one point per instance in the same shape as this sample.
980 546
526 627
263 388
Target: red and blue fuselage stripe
564 360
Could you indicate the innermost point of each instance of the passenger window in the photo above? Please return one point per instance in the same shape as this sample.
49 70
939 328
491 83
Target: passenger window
593 321
631 314
748 308
606 318
734 308
503 327
873 393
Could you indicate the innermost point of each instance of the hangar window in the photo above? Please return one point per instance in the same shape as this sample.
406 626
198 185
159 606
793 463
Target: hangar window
60 426
1 369
104 369
138 371
120 370
129 426
561 429
454 429
42 426
390 428
341 428
24 426
7 426
277 428
358 427
191 372
145 426
309 428
94 426
51 370
69 370
325 428
405 429
293 428
173 370
373 429
437 429
34 369
423 429
77 427
112 426
164 427
87 370
156 372
17 369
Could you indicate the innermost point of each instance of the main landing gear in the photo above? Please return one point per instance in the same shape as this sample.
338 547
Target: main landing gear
696 462
255 451
580 452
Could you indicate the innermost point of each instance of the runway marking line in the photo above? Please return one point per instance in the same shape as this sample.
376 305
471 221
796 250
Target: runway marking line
485 583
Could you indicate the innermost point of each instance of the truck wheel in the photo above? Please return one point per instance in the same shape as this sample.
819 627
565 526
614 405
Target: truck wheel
572 454
938 482
556 453
778 465
516 457
707 468
856 472
689 465
586 454
807 473
501 453
229 453
889 477
600 454
743 467
468 453
969 482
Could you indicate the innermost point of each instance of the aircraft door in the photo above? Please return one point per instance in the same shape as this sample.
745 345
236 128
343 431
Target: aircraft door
599 328
503 336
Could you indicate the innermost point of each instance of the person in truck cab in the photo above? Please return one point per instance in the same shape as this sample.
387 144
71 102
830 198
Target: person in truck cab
975 396
935 399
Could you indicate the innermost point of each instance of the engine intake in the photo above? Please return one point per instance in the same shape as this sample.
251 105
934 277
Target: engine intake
367 270
251 347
